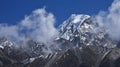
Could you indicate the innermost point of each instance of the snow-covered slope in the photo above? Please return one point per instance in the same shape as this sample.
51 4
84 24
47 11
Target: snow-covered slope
81 30
70 27
4 42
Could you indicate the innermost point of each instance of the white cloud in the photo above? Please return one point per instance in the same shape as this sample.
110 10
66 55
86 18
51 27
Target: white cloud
8 31
111 19
39 26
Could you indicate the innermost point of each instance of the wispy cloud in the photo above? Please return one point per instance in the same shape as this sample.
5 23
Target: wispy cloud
39 26
111 19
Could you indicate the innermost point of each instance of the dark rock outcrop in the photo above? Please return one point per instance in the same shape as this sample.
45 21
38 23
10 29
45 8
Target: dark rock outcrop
112 59
87 56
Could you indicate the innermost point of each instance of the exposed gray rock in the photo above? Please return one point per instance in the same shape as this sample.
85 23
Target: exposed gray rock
112 59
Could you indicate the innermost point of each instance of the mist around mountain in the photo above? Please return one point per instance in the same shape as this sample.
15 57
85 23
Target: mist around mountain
80 41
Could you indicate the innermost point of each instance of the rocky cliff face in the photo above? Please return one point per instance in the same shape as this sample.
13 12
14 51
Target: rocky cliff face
81 43
76 57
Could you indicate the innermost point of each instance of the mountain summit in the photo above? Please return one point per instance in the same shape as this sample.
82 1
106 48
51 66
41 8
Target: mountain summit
81 42
81 30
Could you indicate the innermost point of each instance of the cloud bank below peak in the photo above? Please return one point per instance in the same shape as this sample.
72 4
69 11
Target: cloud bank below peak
39 26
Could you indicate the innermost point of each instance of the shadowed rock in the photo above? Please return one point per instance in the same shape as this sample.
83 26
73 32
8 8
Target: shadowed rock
112 59
87 56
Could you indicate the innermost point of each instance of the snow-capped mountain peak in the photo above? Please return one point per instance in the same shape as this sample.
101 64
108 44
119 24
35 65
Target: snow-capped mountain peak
79 18
70 26
82 30
4 42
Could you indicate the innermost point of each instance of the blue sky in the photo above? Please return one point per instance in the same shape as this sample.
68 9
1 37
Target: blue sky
13 11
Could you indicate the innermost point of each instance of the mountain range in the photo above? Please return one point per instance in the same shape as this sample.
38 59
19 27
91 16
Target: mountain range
81 42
